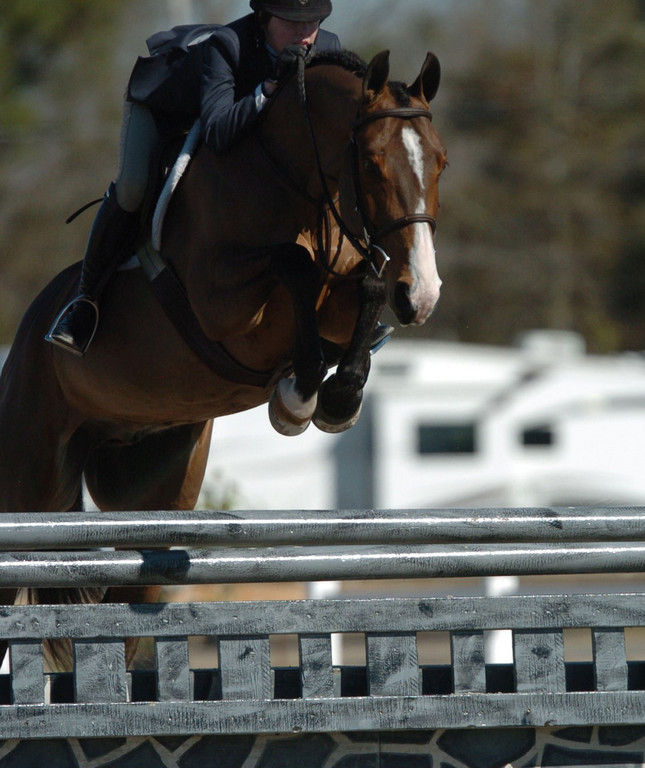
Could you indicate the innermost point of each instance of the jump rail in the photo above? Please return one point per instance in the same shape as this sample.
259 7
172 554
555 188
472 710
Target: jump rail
543 702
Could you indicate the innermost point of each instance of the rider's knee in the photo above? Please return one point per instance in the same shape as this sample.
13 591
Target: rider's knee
130 191
139 138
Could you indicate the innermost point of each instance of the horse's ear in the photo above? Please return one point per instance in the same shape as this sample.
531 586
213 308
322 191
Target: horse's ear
426 85
376 75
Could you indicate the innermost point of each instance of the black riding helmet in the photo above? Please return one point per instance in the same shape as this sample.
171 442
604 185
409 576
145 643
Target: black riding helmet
294 10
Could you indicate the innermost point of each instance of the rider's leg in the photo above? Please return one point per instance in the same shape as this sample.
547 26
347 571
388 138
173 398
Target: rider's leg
113 232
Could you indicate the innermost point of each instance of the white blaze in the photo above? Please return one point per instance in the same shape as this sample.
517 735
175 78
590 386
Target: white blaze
424 292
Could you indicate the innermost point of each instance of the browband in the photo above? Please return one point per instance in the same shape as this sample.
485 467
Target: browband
403 113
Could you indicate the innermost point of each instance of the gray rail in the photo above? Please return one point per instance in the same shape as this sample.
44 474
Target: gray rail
76 530
513 707
278 564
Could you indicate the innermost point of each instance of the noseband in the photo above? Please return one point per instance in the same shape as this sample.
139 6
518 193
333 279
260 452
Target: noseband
369 248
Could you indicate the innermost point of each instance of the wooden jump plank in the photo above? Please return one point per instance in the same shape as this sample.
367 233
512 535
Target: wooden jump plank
99 671
610 662
316 666
173 670
539 661
245 665
523 612
392 665
323 715
468 662
27 674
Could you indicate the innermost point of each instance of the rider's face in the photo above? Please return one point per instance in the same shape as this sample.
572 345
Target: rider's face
280 33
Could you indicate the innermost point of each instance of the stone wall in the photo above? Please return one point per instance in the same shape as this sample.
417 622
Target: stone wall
519 748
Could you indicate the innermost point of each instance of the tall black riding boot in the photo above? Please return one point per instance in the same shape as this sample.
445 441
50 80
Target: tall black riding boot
111 242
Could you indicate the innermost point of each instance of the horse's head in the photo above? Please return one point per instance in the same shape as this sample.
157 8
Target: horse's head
392 187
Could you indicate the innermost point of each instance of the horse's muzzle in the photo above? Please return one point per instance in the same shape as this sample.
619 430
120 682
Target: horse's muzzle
412 309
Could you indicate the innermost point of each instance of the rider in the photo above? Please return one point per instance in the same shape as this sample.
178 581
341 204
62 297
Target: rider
219 74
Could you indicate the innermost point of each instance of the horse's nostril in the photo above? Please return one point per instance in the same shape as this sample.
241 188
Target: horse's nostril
402 304
402 294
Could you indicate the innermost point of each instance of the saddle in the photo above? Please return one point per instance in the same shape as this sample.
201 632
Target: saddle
174 159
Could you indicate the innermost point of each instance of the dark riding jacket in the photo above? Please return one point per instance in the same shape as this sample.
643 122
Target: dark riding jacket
208 71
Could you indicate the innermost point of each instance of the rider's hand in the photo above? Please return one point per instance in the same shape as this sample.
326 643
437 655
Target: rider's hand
288 58
268 87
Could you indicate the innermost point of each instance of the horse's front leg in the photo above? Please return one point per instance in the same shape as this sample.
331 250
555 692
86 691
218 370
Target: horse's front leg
294 399
341 396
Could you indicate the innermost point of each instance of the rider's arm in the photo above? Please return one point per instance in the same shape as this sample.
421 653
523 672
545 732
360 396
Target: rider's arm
223 118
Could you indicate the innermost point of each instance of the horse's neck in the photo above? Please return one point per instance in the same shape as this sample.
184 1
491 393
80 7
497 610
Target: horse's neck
332 97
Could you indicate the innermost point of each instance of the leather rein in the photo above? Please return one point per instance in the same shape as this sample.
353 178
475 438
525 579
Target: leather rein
369 247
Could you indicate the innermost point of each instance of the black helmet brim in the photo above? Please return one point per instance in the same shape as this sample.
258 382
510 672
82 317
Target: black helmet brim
318 12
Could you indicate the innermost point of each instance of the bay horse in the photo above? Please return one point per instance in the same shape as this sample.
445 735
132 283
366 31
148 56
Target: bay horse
243 235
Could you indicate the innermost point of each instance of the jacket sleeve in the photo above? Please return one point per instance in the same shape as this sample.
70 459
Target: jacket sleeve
332 41
223 118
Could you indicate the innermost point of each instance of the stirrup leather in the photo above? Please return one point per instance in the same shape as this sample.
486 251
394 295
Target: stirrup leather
66 338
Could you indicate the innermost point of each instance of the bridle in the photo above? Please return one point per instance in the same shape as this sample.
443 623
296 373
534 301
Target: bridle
372 235
370 247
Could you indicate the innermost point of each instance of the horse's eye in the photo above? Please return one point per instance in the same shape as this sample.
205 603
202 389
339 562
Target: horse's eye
372 167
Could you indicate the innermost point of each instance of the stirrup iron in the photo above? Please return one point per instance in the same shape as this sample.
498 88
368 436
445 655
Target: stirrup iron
67 341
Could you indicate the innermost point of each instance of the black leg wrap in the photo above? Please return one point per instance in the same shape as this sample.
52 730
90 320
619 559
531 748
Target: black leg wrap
340 397
294 268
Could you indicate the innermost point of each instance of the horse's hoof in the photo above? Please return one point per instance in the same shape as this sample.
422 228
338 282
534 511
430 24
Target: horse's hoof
288 414
327 423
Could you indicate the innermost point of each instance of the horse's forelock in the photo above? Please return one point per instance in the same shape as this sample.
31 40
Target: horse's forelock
400 93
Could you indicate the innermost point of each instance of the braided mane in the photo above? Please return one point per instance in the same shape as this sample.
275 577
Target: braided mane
351 62
348 60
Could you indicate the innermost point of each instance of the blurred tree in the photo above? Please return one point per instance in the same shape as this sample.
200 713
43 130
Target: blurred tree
33 36
55 113
545 227
541 108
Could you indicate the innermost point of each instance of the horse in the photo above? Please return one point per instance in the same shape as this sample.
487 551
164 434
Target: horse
286 246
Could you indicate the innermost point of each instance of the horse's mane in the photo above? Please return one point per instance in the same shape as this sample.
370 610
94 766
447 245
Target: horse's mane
344 58
351 62
347 60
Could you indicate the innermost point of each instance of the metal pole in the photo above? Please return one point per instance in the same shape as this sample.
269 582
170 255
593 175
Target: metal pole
57 569
77 530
